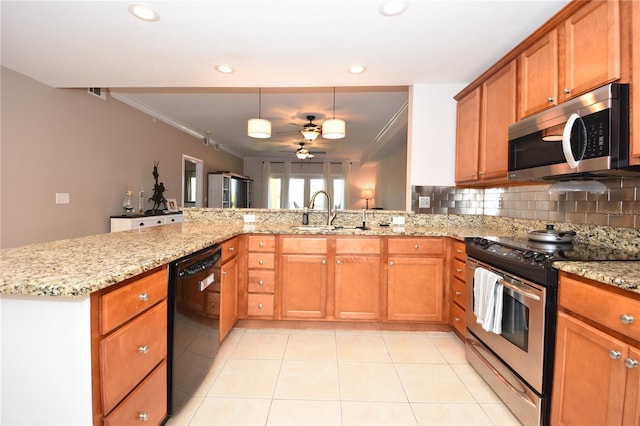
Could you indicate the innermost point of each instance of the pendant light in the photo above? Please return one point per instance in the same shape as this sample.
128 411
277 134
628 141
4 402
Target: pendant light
333 128
259 127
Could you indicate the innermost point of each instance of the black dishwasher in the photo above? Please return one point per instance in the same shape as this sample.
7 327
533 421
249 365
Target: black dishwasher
194 294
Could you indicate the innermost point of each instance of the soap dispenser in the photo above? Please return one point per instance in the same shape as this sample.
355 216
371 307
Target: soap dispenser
305 216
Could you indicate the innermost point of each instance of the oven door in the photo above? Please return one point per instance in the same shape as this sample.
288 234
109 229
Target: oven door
521 344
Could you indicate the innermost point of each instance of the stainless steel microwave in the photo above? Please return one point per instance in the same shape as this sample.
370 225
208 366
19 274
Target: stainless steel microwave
585 137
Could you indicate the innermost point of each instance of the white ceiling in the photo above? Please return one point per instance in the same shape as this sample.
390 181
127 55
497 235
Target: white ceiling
297 51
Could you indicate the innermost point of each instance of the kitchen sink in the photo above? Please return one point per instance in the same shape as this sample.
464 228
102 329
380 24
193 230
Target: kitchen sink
325 228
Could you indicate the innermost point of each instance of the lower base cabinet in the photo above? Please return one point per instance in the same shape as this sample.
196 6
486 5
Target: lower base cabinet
596 376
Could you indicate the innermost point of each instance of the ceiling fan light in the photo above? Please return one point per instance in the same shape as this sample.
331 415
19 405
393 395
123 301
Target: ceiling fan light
259 128
333 129
310 134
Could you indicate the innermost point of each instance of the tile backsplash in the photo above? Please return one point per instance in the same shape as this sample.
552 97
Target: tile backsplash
619 206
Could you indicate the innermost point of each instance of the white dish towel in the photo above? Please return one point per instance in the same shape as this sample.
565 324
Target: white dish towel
487 294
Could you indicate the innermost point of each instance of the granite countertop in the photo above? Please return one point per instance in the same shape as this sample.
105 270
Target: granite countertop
77 267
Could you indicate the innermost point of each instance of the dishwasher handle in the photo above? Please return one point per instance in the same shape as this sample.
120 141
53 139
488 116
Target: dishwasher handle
198 267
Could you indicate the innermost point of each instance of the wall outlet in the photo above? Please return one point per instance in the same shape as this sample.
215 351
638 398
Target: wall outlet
424 202
249 218
398 220
62 198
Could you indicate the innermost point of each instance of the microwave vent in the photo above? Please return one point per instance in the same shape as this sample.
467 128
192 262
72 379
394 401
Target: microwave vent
99 92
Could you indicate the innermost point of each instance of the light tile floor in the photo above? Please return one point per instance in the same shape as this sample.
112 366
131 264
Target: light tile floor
326 377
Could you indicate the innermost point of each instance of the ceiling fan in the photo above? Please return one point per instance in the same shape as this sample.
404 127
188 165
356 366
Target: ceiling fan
304 154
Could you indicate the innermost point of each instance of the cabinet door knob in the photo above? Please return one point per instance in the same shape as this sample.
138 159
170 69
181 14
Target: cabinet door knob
213 304
259 305
143 349
260 262
630 363
324 261
457 319
458 270
391 263
144 297
458 293
143 416
626 319
459 251
613 354
566 90
338 261
260 282
550 99
417 246
261 244
232 248
224 272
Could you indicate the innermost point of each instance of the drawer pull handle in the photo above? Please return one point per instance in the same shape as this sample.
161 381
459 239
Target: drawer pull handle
630 363
417 246
613 354
232 248
459 251
457 319
144 297
261 262
143 416
261 244
458 270
626 319
458 293
143 349
259 305
260 282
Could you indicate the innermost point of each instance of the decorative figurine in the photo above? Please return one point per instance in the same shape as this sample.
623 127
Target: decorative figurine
158 190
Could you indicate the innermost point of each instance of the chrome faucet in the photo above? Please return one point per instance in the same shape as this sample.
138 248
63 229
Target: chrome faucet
330 217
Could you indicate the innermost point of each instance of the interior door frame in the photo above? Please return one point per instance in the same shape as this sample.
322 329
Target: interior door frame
199 179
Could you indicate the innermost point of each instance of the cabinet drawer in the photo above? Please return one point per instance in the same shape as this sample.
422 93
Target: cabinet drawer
457 319
213 304
147 402
458 269
229 249
358 245
304 245
459 250
129 354
458 292
599 305
261 281
415 246
262 243
260 305
118 306
262 260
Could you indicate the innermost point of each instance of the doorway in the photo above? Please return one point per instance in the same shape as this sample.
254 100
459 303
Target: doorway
192 181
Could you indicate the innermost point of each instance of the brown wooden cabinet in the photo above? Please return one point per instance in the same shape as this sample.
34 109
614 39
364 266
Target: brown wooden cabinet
129 350
580 54
357 278
458 257
596 377
415 271
635 84
484 116
228 296
304 273
261 277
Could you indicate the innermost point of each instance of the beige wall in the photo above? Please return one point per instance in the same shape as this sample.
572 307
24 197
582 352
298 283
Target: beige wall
65 140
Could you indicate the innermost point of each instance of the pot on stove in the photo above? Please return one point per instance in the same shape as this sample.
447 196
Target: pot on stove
550 235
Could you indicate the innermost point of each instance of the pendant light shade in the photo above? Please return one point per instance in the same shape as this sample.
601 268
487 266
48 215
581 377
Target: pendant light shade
259 127
333 129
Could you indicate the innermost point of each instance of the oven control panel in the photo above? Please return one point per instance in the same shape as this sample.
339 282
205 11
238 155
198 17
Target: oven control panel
500 250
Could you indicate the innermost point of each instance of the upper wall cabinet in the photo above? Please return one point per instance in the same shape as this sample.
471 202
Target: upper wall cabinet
484 116
578 55
635 83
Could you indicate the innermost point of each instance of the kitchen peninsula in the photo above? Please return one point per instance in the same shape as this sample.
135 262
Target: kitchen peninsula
46 289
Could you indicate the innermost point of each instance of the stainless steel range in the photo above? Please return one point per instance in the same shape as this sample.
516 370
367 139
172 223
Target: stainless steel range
516 360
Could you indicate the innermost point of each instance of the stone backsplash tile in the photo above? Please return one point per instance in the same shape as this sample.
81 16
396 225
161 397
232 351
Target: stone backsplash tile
619 206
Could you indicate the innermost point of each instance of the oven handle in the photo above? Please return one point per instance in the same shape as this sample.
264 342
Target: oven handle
523 396
519 290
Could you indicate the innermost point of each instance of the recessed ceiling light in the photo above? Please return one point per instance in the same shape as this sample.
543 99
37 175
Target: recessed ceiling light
143 11
224 68
357 69
393 7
